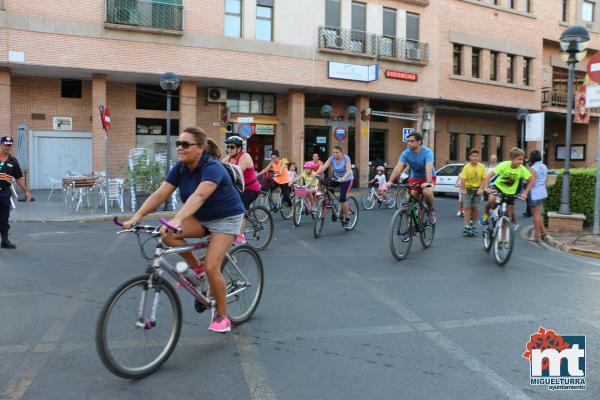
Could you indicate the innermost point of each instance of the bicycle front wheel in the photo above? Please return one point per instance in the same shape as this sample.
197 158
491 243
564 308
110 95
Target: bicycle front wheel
401 233
368 201
259 227
427 231
243 273
503 241
319 218
298 211
129 343
353 213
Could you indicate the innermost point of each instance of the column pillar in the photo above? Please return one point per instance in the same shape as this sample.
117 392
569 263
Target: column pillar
188 93
502 60
518 72
295 131
361 140
5 104
485 64
98 99
466 61
461 145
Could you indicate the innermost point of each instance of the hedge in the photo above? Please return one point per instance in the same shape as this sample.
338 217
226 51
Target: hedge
581 194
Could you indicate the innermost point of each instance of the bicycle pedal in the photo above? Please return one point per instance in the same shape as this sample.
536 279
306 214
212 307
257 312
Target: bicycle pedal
200 308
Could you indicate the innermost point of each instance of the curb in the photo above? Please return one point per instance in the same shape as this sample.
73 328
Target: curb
571 249
99 218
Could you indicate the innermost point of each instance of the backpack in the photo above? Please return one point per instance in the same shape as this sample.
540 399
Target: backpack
236 175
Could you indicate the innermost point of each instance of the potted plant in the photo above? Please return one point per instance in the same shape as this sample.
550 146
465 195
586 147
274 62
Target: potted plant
145 176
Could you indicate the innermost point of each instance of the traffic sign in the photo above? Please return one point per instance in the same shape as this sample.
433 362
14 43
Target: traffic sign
593 68
341 132
246 130
405 133
592 96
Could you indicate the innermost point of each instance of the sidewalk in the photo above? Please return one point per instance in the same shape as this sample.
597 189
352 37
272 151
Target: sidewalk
582 243
54 210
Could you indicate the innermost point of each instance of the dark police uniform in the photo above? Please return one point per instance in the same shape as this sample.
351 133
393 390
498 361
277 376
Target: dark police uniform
9 167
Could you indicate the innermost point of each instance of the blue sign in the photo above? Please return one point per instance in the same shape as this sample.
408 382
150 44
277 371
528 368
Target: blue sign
340 133
245 130
405 133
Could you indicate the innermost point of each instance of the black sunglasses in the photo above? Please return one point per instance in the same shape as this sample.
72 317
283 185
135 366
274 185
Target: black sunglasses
185 144
231 146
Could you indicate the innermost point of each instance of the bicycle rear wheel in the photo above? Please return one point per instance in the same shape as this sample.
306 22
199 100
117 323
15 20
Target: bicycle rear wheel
401 233
427 231
319 218
368 201
503 241
353 213
298 211
243 273
259 227
128 343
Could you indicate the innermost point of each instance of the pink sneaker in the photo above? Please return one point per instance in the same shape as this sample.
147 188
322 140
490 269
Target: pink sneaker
220 324
197 270
240 239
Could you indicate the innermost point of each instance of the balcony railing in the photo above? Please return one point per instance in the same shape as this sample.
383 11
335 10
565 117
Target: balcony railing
553 98
369 44
403 49
347 40
160 14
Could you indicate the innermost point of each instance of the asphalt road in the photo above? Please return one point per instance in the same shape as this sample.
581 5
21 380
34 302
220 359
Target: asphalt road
339 318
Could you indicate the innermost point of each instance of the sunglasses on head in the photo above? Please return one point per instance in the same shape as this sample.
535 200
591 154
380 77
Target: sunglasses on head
184 144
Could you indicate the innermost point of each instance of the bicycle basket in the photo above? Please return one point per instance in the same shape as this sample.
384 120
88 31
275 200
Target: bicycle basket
300 191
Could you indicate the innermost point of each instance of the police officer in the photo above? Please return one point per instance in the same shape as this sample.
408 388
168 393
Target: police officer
9 171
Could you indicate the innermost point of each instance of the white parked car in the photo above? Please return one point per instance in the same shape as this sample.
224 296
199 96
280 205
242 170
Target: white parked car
446 178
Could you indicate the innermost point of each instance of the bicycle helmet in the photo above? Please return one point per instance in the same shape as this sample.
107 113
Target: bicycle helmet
236 140
309 165
380 168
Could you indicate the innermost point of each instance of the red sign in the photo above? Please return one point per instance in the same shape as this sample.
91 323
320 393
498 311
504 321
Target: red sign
582 114
105 117
404 76
593 68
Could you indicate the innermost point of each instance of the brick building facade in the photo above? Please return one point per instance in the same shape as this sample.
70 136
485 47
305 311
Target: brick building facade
467 66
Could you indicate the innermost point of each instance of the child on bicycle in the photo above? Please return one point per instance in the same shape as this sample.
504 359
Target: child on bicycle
381 182
508 174
309 179
471 188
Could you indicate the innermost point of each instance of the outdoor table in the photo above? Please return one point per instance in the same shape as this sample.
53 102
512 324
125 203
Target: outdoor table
79 186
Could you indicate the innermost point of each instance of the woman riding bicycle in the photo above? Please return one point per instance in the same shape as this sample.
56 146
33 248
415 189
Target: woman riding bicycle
212 206
280 175
342 174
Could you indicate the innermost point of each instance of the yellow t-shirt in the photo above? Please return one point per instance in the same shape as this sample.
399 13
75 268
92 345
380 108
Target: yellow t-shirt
473 175
311 180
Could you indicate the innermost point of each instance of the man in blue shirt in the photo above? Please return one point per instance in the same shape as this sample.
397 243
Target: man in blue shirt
422 172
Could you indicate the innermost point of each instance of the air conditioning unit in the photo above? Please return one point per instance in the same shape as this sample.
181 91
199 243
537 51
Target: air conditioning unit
413 54
216 95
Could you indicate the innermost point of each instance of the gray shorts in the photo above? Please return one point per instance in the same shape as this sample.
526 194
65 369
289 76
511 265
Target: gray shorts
229 225
471 199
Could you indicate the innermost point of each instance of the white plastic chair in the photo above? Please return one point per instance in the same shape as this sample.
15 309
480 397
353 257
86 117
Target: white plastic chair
54 184
115 192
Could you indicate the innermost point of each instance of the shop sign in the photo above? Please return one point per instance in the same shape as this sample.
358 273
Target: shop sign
353 72
245 120
403 76
534 127
265 129
62 123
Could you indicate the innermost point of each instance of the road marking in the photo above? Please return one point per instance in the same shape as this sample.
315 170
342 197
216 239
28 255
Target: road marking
344 332
437 337
14 348
31 366
476 366
467 323
253 369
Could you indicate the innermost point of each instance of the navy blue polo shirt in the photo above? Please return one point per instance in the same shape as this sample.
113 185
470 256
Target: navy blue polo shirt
224 202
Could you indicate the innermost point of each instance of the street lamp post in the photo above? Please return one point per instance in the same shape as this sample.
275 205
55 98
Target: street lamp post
522 114
169 82
573 45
